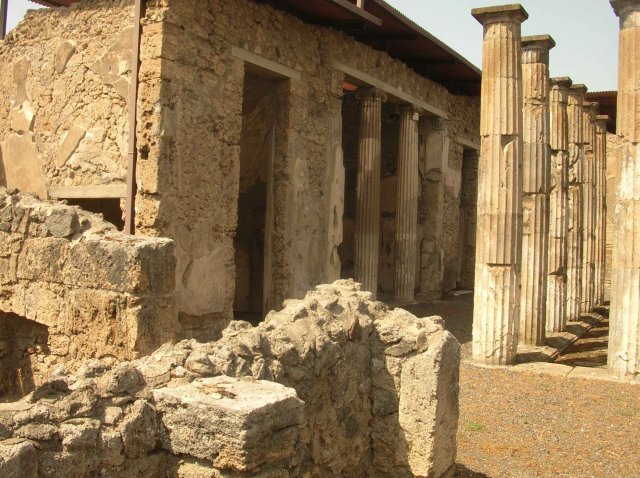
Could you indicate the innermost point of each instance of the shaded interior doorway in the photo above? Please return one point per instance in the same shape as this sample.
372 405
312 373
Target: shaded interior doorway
109 208
350 137
261 105
468 218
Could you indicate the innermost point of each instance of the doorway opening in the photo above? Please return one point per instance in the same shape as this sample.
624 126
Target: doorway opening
108 207
262 105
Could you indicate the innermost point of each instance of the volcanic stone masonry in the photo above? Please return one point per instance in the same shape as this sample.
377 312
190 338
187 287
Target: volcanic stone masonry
499 225
558 207
574 237
536 159
624 322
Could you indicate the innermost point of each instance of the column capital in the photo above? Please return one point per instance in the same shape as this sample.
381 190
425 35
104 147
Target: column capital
620 5
410 109
371 93
512 13
578 90
592 107
561 82
602 121
538 42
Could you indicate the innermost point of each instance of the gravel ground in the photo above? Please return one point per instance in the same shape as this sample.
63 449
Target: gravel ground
521 425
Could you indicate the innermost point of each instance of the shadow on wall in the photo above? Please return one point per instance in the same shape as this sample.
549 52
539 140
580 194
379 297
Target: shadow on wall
21 342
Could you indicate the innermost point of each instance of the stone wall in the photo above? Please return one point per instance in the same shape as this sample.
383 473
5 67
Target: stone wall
63 97
70 68
190 131
334 385
97 292
613 176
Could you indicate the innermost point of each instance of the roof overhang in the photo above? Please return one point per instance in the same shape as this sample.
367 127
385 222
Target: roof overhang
380 26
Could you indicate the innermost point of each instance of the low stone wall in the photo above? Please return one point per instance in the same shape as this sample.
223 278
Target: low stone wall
99 292
334 385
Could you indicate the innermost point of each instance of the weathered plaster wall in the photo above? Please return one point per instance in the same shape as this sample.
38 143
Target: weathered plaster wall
189 133
99 292
360 391
63 97
614 159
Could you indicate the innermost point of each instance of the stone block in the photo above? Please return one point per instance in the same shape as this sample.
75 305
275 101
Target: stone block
18 459
234 423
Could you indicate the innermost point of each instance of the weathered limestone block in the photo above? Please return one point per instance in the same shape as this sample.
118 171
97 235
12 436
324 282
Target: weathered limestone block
624 320
18 459
22 163
535 193
576 202
499 226
63 54
332 385
558 207
98 291
235 424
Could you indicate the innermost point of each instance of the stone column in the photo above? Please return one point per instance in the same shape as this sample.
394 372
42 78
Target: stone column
558 206
588 206
601 205
407 206
574 237
624 319
367 234
536 160
499 226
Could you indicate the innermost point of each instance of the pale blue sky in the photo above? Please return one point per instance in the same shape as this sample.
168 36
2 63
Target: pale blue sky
586 32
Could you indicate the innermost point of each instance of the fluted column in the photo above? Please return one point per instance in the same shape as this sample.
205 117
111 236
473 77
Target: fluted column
590 112
575 234
367 234
601 205
624 322
499 225
536 161
407 206
558 206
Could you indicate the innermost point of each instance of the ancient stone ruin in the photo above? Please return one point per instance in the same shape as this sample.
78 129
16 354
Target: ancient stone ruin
334 384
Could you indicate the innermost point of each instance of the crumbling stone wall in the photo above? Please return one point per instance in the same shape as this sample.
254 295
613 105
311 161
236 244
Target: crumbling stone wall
63 97
71 67
98 292
334 385
190 130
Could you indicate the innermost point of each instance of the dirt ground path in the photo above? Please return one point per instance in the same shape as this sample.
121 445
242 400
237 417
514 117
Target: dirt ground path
521 425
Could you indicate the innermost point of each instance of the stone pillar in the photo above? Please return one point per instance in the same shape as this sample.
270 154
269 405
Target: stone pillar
407 206
434 159
588 206
558 206
601 206
574 237
624 320
499 226
367 234
536 160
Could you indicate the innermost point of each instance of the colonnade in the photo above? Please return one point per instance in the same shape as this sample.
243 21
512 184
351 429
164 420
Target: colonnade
541 204
367 233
